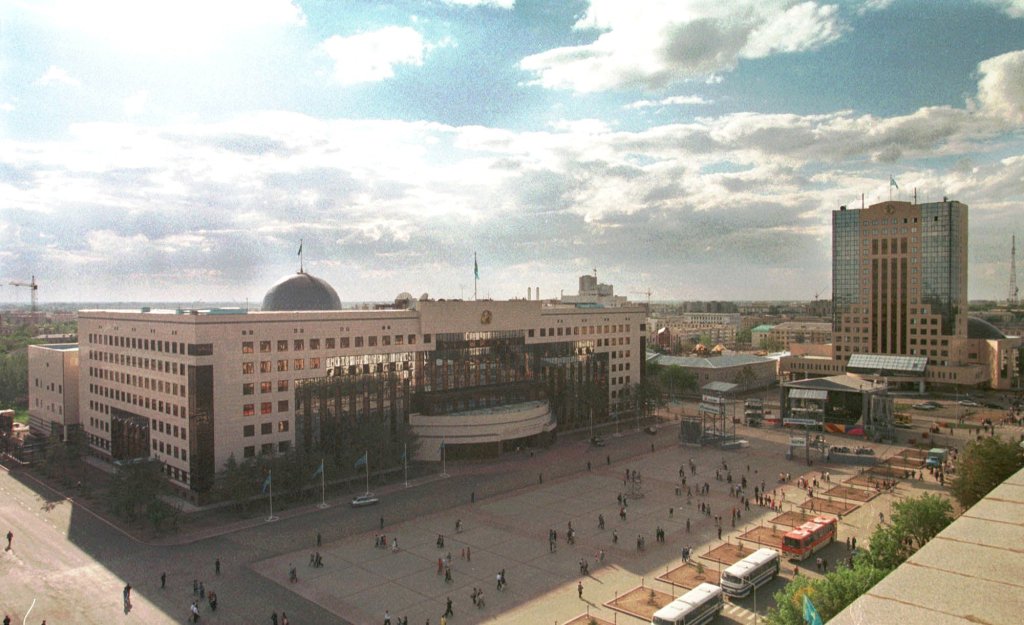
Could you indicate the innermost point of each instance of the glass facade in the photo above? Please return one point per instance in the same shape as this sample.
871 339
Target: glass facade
943 254
846 260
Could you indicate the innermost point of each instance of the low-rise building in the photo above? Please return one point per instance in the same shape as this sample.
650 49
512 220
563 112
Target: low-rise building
53 389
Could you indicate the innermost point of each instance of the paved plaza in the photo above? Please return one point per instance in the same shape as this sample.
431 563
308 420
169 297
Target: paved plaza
74 565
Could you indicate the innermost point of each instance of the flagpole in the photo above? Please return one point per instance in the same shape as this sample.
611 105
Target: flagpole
476 275
405 458
323 486
444 456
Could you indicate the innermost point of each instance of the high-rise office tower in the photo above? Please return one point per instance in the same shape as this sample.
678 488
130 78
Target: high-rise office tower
899 280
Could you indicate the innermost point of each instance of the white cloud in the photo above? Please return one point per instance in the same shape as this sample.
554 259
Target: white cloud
1001 87
136 103
1013 8
497 4
676 100
372 56
658 42
183 27
56 76
7 107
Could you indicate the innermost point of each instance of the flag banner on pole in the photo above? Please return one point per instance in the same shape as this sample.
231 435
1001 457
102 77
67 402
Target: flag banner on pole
476 268
300 249
441 446
892 182
811 616
319 470
362 460
266 483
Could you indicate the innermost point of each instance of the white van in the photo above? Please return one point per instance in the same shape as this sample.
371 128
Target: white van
700 605
751 572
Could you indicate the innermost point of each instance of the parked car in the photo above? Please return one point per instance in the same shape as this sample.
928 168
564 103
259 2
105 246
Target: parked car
597 441
367 499
993 405
650 429
970 403
928 405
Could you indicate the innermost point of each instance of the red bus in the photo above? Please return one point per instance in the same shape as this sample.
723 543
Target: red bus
800 542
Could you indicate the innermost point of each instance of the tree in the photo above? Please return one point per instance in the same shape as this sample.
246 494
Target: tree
982 466
239 482
913 523
677 381
830 594
135 486
746 377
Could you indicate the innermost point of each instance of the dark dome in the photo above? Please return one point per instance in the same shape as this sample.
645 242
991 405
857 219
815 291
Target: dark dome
981 329
301 291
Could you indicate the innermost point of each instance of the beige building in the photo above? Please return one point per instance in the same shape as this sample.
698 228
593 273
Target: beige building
53 389
193 387
791 333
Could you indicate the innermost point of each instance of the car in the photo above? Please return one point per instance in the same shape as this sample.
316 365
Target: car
650 429
597 441
367 499
925 406
993 405
970 403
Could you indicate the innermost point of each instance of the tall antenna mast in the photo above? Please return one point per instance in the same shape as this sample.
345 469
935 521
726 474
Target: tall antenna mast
1011 300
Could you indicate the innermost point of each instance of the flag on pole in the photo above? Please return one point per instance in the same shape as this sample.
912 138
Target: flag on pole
476 268
440 447
266 483
892 182
300 249
320 469
362 460
811 616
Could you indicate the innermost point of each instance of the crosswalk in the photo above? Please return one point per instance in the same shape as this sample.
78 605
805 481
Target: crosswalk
737 614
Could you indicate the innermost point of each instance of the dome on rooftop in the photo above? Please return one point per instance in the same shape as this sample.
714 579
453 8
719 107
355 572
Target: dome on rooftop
981 329
301 291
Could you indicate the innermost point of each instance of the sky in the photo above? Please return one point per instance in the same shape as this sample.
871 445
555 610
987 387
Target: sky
180 151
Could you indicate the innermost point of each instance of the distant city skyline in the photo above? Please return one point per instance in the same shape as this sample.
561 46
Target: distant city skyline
180 151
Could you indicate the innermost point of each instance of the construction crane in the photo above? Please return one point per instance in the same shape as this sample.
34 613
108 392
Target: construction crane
35 293
648 294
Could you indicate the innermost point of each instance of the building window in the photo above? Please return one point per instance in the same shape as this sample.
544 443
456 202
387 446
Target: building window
266 428
314 363
344 342
248 430
282 405
282 365
264 347
299 364
427 338
248 410
412 339
370 341
247 347
266 449
358 341
298 345
248 368
282 385
314 343
266 407
249 452
329 343
266 387
248 388
282 345
282 426
266 366
385 340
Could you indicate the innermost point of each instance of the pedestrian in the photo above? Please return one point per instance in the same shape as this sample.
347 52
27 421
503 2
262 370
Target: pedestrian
10 537
216 566
213 601
127 594
284 618
448 608
273 618
469 555
719 532
382 522
195 612
163 580
687 524
579 589
387 618
318 539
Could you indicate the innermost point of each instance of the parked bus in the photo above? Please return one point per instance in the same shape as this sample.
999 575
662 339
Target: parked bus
800 542
751 572
700 605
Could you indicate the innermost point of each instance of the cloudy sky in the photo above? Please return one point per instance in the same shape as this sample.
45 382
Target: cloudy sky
180 150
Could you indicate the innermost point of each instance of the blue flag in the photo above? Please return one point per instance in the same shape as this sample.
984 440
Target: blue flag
362 460
892 182
811 616
319 470
266 483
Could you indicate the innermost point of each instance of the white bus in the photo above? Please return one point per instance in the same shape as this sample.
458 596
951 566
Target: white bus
751 572
700 605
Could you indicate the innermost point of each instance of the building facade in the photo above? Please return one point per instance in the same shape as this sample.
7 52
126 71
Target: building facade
193 388
53 389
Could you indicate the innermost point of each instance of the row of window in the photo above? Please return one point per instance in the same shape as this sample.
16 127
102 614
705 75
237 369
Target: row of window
249 388
128 342
266 407
136 362
138 381
169 429
265 428
265 449
172 450
268 366
298 345
150 403
583 330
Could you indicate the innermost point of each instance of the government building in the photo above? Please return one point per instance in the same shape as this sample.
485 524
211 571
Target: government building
475 378
899 289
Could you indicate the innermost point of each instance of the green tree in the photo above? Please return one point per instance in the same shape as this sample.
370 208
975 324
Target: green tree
913 523
239 482
677 381
135 486
982 466
830 594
